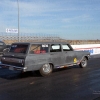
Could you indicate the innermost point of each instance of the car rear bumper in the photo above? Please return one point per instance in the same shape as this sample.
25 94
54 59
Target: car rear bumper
10 67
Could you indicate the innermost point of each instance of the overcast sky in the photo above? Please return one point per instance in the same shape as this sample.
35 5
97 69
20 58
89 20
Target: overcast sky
70 19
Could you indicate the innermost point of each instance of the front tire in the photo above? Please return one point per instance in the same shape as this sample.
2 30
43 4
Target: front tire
46 70
83 63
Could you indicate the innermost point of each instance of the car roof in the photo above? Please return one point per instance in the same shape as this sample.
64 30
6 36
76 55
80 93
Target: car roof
40 43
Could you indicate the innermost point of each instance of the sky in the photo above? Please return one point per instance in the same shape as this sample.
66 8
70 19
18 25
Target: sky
69 19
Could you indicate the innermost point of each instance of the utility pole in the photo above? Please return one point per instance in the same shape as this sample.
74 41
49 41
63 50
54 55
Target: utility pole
18 21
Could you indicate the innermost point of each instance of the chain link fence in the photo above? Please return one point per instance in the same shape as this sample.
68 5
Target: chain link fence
9 38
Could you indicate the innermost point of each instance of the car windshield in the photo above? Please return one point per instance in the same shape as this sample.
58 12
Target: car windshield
19 48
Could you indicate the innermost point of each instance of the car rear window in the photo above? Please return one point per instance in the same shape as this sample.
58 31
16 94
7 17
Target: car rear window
18 48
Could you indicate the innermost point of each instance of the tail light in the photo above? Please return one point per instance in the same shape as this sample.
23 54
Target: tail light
21 61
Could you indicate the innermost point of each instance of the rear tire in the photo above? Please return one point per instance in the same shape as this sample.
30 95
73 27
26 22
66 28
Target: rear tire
83 63
46 70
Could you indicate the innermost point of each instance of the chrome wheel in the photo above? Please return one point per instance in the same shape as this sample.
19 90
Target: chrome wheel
46 69
83 63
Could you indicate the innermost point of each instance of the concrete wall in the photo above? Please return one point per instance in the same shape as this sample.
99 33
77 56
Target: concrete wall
92 48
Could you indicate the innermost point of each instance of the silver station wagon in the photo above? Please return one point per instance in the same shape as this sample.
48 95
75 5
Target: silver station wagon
42 57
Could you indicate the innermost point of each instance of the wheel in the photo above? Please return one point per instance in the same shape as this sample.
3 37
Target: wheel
46 69
83 63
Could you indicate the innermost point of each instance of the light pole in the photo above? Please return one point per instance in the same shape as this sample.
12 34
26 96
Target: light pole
18 21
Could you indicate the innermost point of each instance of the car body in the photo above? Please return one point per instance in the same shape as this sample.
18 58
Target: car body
42 57
3 46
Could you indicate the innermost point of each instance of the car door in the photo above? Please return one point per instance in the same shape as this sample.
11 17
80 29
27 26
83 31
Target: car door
56 54
69 54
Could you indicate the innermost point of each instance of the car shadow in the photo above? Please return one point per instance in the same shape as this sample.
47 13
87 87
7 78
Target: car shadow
10 75
61 69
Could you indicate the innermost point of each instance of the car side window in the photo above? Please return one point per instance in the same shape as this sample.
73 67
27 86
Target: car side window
38 48
55 48
66 47
1 44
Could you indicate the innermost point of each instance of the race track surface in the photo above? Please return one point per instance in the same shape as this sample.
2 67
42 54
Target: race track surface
73 83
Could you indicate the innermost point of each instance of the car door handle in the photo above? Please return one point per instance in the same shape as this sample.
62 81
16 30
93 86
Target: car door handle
51 54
